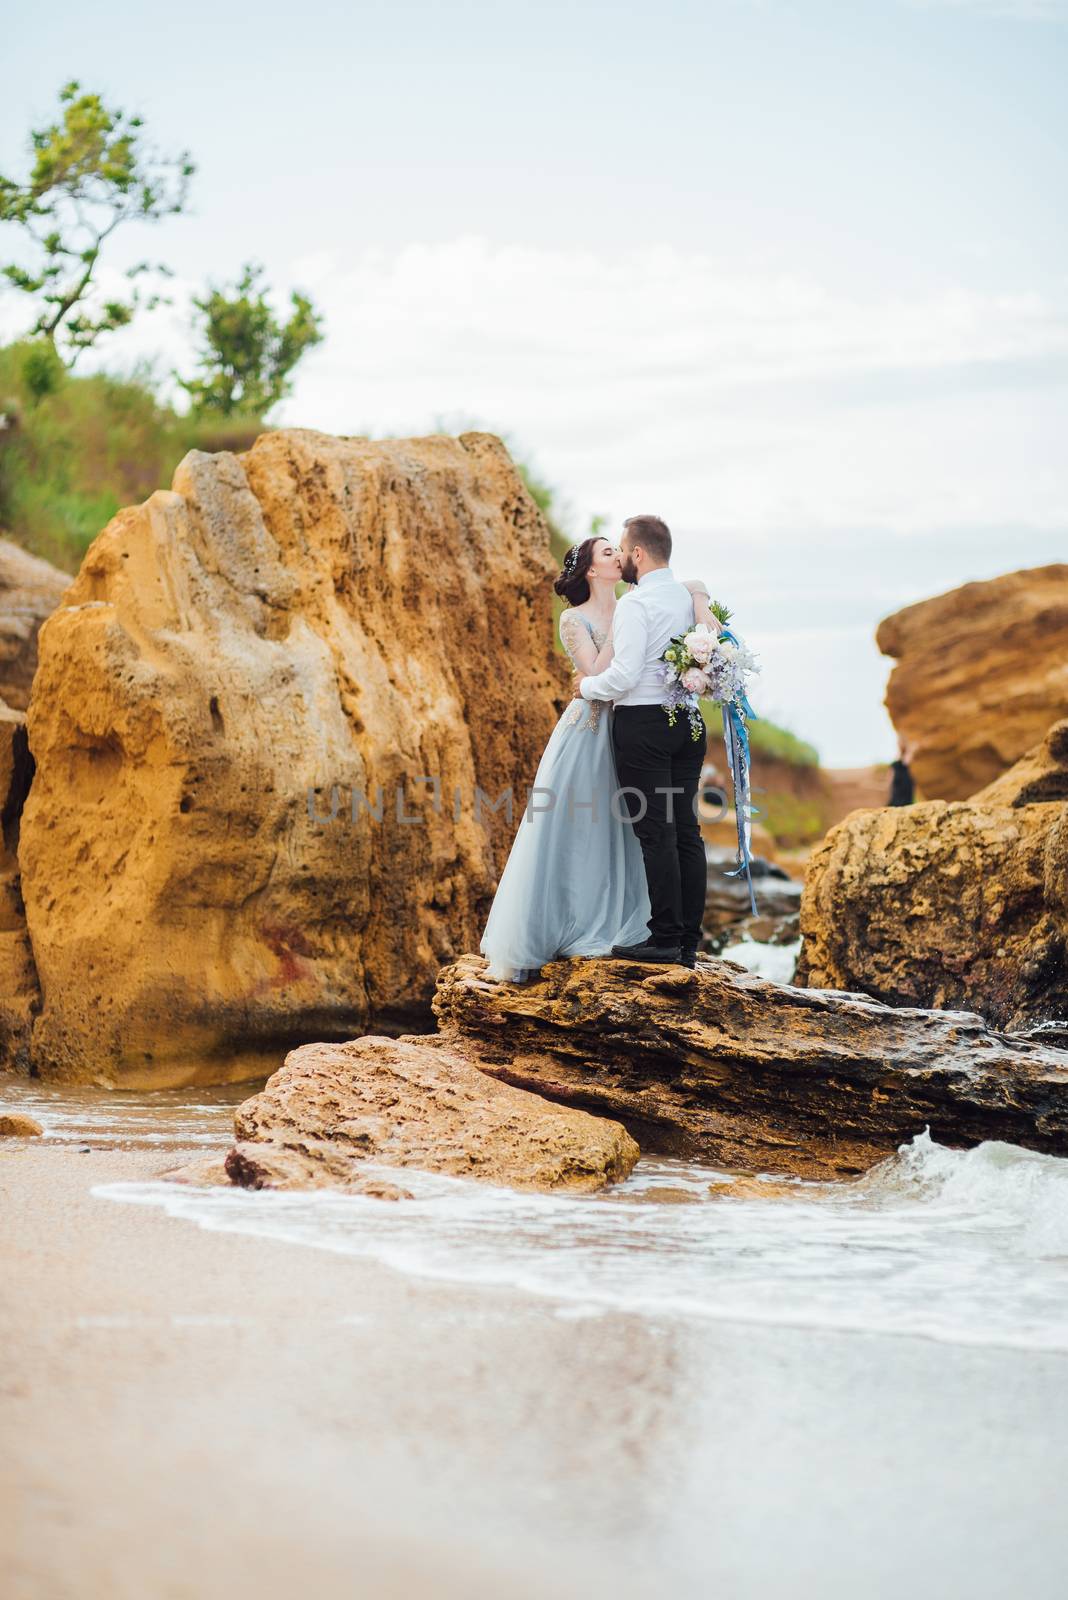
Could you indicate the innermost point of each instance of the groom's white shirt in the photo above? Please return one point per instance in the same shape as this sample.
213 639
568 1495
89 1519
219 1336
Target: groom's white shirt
646 620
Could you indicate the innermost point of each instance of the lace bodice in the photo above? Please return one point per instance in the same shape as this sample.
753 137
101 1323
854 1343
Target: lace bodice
575 629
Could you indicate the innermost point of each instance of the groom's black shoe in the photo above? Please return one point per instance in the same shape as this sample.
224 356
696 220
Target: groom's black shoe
688 955
648 950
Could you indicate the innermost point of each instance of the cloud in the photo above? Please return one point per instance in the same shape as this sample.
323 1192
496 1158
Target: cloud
1020 10
822 457
754 400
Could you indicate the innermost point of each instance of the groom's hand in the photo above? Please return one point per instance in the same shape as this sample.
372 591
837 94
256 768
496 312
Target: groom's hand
576 680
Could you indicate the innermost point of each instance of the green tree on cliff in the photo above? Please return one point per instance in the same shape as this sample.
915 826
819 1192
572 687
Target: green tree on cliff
90 174
247 355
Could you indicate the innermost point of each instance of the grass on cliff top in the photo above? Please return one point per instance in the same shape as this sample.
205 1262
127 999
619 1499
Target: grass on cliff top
74 450
766 739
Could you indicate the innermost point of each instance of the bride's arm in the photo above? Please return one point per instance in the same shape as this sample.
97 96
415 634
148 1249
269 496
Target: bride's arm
701 610
604 655
580 647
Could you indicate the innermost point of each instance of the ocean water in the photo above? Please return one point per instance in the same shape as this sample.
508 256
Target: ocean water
164 1119
962 1246
774 961
812 1389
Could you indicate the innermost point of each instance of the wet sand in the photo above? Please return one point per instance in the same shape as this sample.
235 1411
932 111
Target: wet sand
187 1413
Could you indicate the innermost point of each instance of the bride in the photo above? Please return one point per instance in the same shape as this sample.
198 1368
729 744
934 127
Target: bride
574 882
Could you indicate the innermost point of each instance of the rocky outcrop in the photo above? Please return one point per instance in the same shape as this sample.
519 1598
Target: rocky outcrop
333 1109
719 1064
30 590
961 903
981 674
728 912
320 617
20 995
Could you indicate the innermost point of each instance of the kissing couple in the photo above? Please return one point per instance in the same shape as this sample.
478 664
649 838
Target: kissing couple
614 863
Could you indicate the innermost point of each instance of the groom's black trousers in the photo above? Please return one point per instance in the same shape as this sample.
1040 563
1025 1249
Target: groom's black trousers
651 756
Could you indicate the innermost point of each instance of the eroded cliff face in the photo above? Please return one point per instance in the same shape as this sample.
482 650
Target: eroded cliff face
320 614
950 904
981 674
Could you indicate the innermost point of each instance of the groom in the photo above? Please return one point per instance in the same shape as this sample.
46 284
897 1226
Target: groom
659 766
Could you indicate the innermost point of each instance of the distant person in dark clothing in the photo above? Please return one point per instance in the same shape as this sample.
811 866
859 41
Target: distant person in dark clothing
902 789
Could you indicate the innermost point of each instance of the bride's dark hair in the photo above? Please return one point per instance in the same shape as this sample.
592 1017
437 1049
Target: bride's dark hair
572 583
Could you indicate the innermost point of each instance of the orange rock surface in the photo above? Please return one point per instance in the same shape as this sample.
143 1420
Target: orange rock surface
409 1102
317 615
950 903
981 674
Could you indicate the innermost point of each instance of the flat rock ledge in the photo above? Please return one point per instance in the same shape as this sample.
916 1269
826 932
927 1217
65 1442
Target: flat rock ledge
332 1110
727 1067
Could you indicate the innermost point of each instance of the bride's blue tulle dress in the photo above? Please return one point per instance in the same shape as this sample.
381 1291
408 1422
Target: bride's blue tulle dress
574 882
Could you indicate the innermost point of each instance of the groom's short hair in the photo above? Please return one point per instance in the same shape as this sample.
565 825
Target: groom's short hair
652 534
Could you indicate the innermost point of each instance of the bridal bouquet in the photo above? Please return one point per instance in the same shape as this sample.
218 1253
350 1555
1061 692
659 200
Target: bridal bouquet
707 664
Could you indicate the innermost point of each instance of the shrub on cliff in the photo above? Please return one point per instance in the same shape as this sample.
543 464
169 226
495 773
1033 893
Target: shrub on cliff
74 451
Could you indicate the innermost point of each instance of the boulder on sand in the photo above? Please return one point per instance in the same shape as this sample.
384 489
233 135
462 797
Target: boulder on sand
959 903
333 1109
233 842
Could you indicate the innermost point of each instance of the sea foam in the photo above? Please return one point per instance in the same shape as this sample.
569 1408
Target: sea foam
967 1246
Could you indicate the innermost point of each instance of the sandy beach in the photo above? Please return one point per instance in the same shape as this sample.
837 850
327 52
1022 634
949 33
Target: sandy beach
196 1413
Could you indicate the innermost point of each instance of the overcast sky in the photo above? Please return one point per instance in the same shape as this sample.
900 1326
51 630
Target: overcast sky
793 276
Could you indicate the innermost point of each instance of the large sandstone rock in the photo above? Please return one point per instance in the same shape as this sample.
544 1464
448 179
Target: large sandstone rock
719 1064
320 614
960 903
30 590
981 674
20 995
409 1102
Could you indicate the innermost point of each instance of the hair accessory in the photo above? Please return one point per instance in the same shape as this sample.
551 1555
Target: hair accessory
571 560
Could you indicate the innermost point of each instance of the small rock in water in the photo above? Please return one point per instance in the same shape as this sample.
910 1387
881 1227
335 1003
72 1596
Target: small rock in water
753 1189
378 1189
14 1125
664 1194
207 1172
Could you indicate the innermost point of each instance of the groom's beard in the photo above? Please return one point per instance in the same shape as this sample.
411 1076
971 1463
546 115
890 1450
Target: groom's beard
628 571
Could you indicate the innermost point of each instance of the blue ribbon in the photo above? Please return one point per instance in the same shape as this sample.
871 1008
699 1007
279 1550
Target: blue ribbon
736 743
